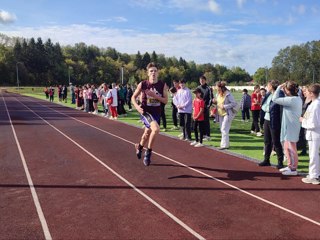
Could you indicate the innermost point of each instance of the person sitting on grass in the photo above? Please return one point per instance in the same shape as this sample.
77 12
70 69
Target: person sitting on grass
311 122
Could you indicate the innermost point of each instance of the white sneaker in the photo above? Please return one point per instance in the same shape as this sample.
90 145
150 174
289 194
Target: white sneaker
290 173
180 135
259 134
253 132
206 138
284 169
199 145
193 143
307 179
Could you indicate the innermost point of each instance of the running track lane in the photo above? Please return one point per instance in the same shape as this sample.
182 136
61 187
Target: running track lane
211 208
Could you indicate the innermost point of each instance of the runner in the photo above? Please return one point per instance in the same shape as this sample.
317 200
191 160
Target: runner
154 92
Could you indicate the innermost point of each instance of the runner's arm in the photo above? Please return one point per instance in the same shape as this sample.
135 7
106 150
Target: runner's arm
134 97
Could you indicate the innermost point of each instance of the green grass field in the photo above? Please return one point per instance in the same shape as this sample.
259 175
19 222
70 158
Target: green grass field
241 141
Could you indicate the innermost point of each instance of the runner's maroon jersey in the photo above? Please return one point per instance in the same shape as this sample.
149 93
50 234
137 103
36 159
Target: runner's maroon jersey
150 104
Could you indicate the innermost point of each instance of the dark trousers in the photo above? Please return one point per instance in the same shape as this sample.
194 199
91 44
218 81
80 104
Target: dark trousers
185 124
206 122
245 113
272 138
201 126
175 115
163 116
255 122
262 114
129 103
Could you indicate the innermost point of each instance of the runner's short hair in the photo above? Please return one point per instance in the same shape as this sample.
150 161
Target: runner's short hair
152 64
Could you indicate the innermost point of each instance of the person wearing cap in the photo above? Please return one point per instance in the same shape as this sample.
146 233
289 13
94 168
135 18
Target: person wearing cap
183 102
198 117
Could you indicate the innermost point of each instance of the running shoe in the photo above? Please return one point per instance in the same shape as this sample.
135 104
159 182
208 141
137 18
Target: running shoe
284 169
138 150
147 157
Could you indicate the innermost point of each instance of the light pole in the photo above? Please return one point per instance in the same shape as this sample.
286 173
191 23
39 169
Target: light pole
69 68
17 70
122 75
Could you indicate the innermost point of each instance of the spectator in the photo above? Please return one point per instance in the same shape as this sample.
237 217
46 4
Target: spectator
290 125
163 116
46 92
225 104
64 93
51 94
129 95
73 95
121 101
183 102
311 122
245 105
272 126
306 100
263 93
255 109
113 94
103 98
207 97
198 117
95 99
173 90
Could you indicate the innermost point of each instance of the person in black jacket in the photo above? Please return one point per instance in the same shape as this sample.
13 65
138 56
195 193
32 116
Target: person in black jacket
207 97
129 95
272 126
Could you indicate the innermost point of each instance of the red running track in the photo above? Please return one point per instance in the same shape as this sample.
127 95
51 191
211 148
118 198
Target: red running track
86 183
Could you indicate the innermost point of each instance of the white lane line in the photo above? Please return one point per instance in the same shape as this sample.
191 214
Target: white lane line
169 214
30 182
200 172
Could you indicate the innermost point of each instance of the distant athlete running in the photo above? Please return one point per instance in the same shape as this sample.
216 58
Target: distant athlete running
154 92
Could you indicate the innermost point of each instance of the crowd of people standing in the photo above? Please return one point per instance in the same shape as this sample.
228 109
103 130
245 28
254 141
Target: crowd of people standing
284 114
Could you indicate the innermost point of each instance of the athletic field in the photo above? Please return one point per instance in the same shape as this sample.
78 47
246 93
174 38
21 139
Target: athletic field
65 174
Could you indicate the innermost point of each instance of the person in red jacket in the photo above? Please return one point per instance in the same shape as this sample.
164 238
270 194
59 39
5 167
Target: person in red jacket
255 110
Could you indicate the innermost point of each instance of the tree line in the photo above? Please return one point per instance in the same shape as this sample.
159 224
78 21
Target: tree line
39 63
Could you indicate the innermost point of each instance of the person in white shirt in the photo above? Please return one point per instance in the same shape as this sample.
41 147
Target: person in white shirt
112 101
183 101
311 122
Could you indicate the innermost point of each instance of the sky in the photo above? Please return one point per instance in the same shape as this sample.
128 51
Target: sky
244 33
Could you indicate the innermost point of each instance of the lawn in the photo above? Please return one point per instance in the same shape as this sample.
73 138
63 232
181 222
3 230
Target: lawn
241 141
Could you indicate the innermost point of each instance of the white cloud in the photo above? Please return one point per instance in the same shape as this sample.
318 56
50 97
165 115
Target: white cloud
214 6
113 19
241 3
301 9
193 42
6 17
